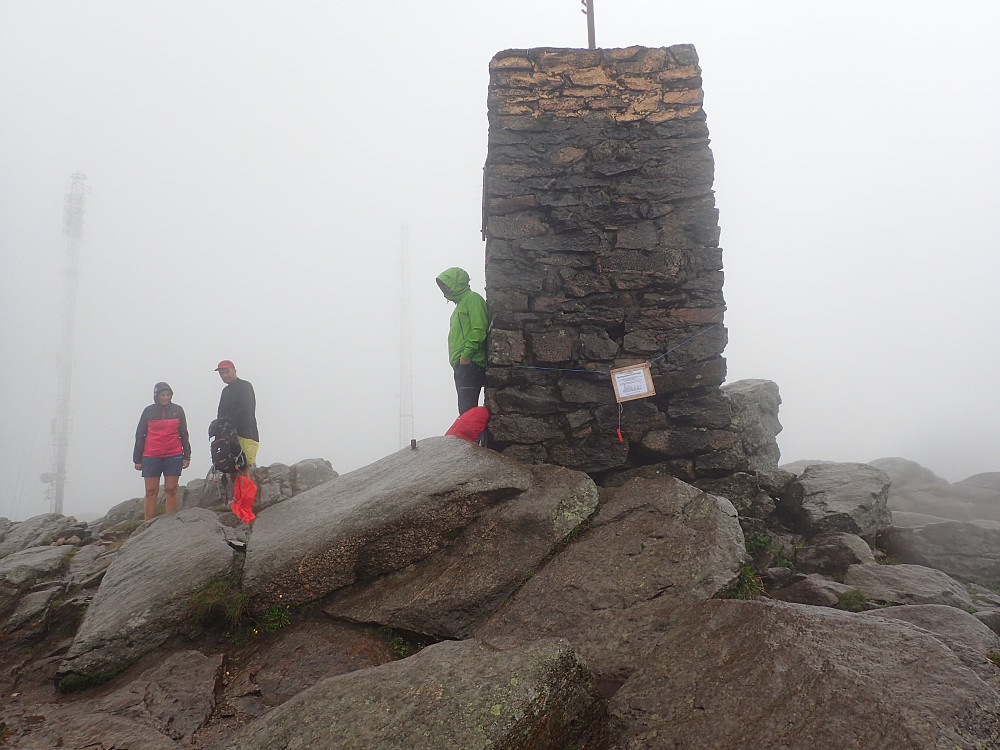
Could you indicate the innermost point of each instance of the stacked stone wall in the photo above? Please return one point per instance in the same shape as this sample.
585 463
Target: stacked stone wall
602 251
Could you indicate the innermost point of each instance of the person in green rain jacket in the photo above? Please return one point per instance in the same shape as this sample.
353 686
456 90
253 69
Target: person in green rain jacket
466 336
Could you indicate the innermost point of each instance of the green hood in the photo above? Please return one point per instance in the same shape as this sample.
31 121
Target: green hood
457 281
469 320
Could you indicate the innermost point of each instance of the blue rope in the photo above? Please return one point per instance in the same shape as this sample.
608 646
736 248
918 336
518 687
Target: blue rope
559 369
690 338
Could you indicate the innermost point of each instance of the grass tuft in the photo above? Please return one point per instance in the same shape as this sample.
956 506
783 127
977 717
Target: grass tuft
758 543
748 585
852 601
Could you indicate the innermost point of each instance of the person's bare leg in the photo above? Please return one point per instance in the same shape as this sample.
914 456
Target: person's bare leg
170 490
149 501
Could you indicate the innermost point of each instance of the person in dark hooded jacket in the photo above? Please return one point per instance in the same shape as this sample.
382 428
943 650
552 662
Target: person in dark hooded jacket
161 447
466 336
238 406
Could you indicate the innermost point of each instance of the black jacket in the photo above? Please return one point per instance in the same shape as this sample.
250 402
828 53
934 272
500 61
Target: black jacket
238 404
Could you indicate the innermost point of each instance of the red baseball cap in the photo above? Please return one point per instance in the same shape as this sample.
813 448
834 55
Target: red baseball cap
224 364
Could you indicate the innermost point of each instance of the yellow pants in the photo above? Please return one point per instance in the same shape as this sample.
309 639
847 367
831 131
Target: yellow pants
249 449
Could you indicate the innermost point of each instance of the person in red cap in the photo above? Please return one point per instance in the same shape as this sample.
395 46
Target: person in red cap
238 405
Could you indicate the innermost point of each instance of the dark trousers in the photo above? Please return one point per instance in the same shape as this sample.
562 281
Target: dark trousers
469 382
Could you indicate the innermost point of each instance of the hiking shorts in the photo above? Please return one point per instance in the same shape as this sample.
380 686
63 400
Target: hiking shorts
249 449
168 466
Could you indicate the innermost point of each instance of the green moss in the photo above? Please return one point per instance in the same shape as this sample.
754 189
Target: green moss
399 643
569 537
67 559
574 511
881 556
399 646
74 682
77 683
852 601
125 528
121 532
758 543
762 543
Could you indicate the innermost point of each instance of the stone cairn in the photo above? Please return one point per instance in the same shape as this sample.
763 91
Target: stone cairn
602 251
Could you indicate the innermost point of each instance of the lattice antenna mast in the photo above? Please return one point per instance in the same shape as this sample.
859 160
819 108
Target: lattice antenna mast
588 11
73 229
405 348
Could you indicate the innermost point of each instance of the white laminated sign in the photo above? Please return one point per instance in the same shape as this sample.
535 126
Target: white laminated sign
634 381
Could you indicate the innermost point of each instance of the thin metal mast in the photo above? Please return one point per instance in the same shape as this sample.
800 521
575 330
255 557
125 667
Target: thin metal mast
588 11
405 363
73 229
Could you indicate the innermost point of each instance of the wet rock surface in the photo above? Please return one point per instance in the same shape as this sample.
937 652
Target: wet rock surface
916 489
907 584
454 694
661 544
144 596
451 592
839 497
376 520
586 617
966 550
905 689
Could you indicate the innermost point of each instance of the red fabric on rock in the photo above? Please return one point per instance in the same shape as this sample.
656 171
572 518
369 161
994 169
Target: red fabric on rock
470 424
244 492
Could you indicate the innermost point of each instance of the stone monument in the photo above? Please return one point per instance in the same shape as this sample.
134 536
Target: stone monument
602 251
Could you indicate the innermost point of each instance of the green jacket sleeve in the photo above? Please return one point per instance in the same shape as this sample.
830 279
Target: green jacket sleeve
478 323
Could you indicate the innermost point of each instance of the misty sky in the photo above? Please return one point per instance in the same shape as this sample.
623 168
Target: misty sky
251 165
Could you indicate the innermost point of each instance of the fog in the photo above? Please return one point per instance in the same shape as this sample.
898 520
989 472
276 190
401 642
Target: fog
251 166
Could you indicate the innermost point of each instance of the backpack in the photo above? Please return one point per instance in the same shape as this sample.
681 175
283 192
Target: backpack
227 456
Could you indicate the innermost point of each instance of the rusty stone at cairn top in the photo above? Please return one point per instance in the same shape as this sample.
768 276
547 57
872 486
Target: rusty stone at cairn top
602 251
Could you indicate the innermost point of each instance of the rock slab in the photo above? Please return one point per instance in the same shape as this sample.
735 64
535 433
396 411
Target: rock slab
839 497
657 544
966 550
451 592
144 597
746 675
375 520
458 694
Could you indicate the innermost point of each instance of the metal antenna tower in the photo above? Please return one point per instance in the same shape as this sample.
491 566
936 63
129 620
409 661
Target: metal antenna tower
73 229
588 11
405 363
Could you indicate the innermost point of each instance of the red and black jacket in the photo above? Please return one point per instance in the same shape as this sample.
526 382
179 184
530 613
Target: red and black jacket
162 432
